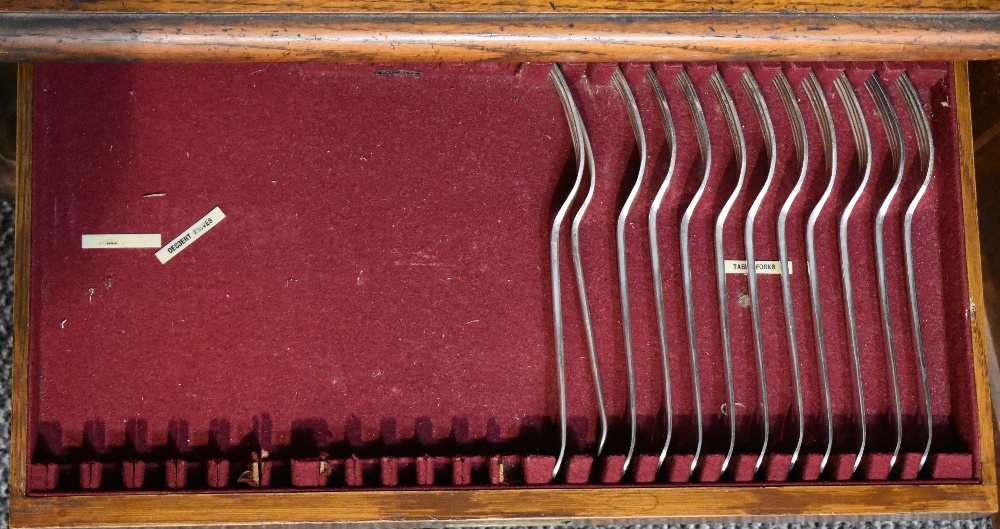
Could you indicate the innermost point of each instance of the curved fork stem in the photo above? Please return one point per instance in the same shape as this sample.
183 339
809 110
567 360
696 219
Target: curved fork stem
829 134
862 139
894 132
654 243
801 139
575 126
925 144
640 138
739 148
767 128
701 131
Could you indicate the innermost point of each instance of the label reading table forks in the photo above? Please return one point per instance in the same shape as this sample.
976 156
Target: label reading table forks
192 234
763 267
120 240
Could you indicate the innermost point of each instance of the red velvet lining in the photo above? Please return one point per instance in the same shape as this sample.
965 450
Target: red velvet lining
379 290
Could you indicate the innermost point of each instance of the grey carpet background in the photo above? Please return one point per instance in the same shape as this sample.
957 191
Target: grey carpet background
6 344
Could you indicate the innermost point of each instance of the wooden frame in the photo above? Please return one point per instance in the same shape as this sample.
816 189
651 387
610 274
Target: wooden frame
436 37
483 506
499 6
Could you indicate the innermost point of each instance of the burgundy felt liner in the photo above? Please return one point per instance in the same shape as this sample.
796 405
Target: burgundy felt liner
375 309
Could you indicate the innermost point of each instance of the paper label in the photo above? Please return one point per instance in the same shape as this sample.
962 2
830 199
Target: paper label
763 267
192 234
121 240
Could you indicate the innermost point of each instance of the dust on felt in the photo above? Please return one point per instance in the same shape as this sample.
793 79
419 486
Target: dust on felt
420 258
744 300
90 297
722 407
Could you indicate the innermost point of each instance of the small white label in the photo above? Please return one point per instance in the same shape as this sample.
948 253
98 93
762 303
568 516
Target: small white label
763 267
192 234
121 240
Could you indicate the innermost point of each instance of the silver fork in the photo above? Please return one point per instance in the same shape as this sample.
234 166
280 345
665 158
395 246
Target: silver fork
705 147
621 85
575 127
894 133
581 284
801 140
829 134
925 145
654 211
862 139
739 151
767 129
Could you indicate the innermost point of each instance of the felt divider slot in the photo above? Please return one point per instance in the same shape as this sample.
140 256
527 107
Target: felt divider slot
475 471
217 473
134 474
380 284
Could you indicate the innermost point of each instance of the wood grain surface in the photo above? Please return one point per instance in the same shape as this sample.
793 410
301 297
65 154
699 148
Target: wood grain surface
496 6
22 289
509 506
975 273
473 37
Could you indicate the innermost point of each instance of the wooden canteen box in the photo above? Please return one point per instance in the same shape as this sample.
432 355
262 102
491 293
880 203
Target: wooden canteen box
464 263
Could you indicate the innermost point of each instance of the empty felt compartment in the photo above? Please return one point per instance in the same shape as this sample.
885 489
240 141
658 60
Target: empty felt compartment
376 308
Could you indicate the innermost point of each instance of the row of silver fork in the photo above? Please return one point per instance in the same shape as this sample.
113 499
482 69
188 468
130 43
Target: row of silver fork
821 108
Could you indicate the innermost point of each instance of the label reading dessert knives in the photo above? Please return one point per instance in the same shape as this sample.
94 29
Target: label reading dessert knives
120 240
763 267
192 234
